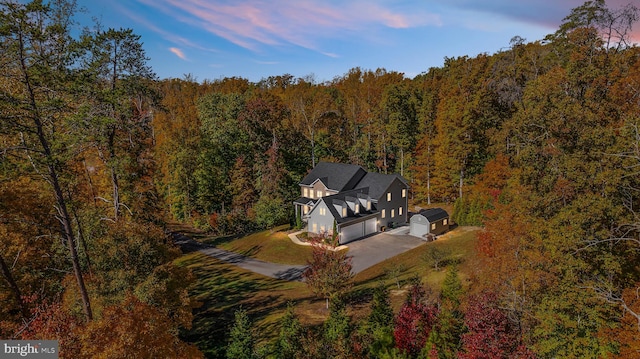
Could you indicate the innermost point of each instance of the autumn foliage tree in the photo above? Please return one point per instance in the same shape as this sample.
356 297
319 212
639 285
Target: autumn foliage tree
134 328
490 332
414 322
328 273
35 106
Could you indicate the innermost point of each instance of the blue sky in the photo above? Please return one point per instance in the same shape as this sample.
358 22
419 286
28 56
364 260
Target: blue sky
254 39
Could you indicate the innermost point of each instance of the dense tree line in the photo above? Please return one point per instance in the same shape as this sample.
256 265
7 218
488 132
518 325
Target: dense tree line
84 255
539 143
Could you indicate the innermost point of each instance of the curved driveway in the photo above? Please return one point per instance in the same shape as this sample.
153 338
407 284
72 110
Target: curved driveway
365 253
273 270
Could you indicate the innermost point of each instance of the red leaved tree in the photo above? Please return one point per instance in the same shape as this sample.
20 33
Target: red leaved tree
491 335
328 273
414 322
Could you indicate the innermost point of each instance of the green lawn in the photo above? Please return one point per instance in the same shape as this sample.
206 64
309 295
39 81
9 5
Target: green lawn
461 244
272 246
222 288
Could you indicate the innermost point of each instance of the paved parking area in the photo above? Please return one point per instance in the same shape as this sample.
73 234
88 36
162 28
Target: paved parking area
372 250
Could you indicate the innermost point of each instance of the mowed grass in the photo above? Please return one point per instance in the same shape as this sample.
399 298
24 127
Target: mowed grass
272 246
461 245
221 288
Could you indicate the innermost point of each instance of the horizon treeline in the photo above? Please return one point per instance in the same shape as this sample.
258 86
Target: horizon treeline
538 143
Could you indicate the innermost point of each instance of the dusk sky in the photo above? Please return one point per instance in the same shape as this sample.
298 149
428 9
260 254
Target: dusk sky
255 39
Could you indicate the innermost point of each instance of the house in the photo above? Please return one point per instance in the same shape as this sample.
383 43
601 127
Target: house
429 221
348 199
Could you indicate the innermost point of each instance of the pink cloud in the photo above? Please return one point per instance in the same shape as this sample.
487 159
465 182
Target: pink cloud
176 51
165 34
253 23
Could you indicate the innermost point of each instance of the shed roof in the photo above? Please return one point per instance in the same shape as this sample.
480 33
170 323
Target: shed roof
434 214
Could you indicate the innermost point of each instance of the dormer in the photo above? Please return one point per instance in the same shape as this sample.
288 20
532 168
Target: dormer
365 202
341 207
353 203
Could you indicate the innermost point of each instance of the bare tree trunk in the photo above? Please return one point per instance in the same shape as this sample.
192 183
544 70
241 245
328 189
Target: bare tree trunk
65 220
429 173
93 192
116 194
6 273
83 242
114 174
52 177
428 184
461 181
313 149
401 162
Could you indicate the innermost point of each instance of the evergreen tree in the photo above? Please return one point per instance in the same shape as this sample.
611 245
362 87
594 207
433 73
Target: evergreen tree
445 336
380 322
289 344
241 338
337 330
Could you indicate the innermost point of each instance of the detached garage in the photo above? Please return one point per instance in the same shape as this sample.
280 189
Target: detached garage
429 221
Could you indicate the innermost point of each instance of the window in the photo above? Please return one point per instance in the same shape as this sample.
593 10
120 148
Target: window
404 192
433 226
319 193
305 192
322 229
344 211
314 228
305 209
445 221
382 214
368 205
388 196
400 211
393 213
323 211
357 208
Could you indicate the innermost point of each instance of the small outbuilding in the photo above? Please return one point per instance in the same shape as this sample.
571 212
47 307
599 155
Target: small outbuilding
434 221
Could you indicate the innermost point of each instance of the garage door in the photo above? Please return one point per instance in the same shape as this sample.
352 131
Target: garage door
370 226
351 232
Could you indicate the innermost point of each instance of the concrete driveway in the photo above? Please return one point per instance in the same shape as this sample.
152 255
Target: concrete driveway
372 250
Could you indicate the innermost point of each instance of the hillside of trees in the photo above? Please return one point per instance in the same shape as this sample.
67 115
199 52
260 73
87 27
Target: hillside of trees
538 143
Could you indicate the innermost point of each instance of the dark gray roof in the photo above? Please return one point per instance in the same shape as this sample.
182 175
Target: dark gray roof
378 183
434 214
340 198
336 176
305 200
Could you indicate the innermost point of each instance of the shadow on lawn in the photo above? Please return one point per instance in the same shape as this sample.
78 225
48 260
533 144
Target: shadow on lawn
221 289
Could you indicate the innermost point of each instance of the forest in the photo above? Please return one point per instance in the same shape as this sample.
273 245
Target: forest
539 144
